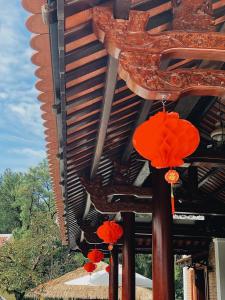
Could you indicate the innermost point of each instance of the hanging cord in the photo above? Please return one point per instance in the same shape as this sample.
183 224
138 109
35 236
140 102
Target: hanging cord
164 99
172 200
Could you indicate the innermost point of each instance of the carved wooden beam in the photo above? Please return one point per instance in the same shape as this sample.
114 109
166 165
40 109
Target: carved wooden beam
119 36
140 53
145 79
97 190
190 244
102 195
202 229
193 15
128 205
181 246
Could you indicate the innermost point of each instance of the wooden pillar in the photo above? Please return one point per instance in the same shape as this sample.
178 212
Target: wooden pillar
162 252
128 276
200 283
113 275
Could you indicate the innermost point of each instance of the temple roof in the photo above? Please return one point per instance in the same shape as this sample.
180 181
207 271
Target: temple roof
90 115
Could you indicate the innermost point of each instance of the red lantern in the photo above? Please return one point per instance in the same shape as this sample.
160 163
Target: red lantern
110 232
172 176
95 256
90 267
107 269
166 140
110 247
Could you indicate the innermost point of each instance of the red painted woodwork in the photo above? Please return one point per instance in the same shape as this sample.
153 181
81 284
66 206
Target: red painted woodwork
143 76
113 275
141 53
128 275
195 15
130 35
100 195
162 251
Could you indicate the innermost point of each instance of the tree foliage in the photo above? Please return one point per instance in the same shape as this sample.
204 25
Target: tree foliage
178 282
34 257
34 254
23 194
9 195
143 264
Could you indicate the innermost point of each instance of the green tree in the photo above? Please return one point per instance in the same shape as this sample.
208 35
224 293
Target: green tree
35 194
178 282
21 195
143 264
10 183
34 257
35 253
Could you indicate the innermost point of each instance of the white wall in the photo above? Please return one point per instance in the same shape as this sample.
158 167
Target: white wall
220 267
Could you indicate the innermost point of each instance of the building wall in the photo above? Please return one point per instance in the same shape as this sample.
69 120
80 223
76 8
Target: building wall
190 292
189 284
212 274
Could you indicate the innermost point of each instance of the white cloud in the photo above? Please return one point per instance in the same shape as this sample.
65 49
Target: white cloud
22 138
39 154
28 114
3 95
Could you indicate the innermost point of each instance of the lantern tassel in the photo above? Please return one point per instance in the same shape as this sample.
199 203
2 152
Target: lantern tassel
172 201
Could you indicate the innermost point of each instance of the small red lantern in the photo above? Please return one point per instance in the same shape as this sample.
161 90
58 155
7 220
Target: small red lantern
90 267
110 247
172 176
166 140
107 269
95 256
110 232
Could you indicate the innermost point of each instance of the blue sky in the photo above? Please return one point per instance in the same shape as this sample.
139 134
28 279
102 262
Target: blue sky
21 131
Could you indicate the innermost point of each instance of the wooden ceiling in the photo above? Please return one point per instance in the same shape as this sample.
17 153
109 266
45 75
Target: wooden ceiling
90 116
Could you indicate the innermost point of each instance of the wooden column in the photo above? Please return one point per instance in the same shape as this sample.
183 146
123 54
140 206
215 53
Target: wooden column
162 252
128 276
113 275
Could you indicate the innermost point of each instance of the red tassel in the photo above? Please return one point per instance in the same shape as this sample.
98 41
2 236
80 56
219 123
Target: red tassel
172 201
172 205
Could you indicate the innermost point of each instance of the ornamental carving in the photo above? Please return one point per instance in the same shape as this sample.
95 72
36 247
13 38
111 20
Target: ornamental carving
192 15
137 199
144 77
141 53
125 35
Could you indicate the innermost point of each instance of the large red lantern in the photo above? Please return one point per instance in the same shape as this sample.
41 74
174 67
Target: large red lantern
110 232
90 267
166 140
95 256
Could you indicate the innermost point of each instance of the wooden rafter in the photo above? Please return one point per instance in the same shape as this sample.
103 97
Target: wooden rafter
207 177
121 11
